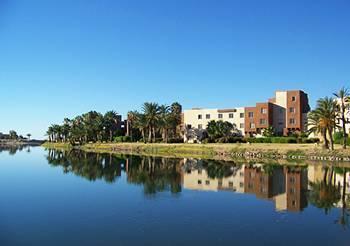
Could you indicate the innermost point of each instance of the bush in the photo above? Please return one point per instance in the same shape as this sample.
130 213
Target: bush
310 140
122 139
272 140
175 140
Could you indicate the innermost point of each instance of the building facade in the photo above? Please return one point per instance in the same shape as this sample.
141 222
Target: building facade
286 113
199 118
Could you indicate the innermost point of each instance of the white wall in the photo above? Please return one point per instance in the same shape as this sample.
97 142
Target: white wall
191 117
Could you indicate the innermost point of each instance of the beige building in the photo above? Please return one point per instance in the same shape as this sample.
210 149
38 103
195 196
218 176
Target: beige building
199 118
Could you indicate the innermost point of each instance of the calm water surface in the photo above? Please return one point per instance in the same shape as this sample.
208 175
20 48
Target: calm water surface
77 198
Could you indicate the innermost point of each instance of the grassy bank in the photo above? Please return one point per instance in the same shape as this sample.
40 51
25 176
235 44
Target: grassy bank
218 151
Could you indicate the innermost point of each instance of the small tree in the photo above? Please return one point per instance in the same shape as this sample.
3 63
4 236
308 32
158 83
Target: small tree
13 135
269 132
29 135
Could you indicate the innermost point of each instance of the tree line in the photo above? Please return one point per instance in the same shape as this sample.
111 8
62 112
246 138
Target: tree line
153 123
13 135
329 117
91 126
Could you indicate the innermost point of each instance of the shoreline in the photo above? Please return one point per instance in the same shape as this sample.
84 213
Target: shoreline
228 152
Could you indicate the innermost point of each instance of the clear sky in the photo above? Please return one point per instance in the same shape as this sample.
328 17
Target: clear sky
62 58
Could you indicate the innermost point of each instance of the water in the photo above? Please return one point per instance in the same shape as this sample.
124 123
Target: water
77 198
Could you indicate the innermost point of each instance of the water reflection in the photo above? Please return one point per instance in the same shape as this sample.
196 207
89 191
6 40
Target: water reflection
13 149
290 188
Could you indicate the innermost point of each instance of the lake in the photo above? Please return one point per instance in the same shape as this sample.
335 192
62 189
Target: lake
51 197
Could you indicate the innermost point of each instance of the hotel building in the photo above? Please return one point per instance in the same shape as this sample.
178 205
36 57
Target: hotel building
286 113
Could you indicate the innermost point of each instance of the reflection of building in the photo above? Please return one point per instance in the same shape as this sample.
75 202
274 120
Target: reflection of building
286 186
198 179
260 183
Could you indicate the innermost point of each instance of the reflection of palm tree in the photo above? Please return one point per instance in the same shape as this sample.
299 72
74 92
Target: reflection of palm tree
344 216
324 194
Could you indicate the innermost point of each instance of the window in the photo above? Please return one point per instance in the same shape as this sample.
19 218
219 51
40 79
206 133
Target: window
241 184
292 180
294 203
294 98
189 126
292 121
199 171
200 126
220 183
292 190
207 116
241 115
207 182
292 110
263 110
250 114
230 184
199 117
263 122
241 125
199 181
252 126
241 174
220 116
230 115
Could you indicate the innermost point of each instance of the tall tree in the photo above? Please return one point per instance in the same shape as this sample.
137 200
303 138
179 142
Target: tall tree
324 119
343 96
315 126
111 120
164 121
151 112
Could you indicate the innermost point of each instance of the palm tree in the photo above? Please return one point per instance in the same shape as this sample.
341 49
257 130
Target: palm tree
323 119
327 109
176 114
343 96
141 124
164 121
49 133
151 112
315 127
29 135
110 121
131 118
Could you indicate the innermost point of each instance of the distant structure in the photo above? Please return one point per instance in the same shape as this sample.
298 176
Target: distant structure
286 113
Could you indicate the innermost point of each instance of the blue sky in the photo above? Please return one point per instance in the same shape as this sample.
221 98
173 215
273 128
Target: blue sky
62 58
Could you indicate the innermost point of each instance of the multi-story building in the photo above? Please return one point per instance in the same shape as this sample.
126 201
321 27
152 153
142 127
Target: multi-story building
199 118
286 113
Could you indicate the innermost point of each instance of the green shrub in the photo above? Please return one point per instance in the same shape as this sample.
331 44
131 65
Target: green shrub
122 139
175 140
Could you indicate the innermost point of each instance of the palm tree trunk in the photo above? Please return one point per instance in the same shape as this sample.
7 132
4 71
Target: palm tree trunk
324 133
110 135
330 130
143 135
345 135
150 134
154 134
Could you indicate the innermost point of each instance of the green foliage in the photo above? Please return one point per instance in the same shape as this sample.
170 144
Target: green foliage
269 132
222 132
122 139
282 140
